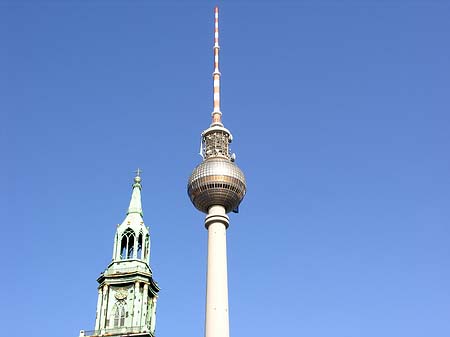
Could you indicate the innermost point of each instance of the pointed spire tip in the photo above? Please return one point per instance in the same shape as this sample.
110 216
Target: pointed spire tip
135 202
138 178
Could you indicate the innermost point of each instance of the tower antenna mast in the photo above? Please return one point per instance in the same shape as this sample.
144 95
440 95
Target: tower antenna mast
216 114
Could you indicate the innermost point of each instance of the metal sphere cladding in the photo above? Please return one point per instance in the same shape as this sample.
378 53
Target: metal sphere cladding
216 181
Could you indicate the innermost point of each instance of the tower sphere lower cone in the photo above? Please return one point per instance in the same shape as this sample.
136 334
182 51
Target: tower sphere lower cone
216 181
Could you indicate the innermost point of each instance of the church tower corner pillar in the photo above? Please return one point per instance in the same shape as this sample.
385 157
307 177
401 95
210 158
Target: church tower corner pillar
153 315
99 309
136 306
104 311
144 310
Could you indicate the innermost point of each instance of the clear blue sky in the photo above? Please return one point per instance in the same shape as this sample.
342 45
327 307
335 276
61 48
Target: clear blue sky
340 115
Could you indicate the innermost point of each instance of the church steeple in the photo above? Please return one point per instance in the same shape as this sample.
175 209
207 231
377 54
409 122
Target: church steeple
127 292
132 240
135 202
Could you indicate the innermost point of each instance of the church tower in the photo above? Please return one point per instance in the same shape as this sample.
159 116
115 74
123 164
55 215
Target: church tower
127 292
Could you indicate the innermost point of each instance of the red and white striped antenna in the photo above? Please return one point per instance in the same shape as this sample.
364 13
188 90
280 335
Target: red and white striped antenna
216 114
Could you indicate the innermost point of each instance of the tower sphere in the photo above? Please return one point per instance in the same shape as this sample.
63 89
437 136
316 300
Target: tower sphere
216 181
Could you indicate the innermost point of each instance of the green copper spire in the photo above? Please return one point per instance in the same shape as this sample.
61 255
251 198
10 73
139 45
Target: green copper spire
127 292
135 202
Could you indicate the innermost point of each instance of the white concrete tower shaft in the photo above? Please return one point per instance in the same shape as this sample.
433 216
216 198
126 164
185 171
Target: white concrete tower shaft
217 321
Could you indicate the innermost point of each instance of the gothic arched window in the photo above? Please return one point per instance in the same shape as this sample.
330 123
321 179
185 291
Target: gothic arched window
139 247
123 248
130 246
127 244
119 314
116 318
122 316
146 247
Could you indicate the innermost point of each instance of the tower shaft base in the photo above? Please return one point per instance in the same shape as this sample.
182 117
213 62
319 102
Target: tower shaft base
217 322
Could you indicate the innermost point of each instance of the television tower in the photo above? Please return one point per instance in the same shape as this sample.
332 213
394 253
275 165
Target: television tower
216 187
